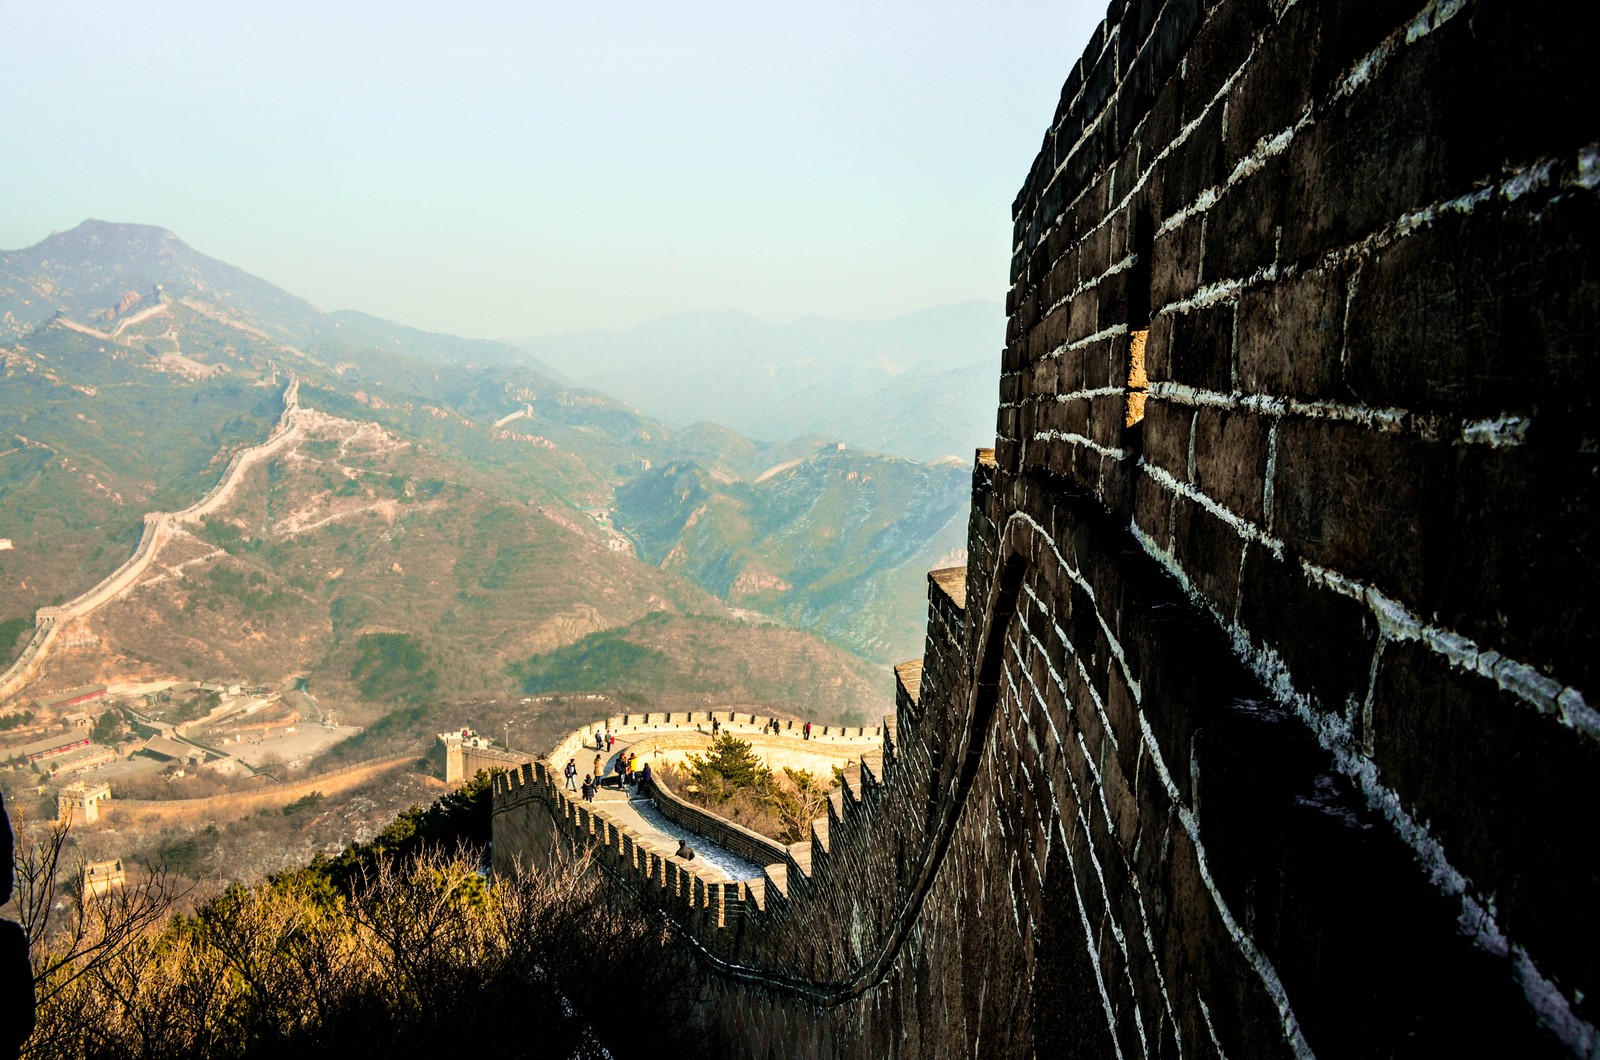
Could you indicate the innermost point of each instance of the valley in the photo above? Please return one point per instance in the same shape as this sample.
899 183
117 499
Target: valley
387 533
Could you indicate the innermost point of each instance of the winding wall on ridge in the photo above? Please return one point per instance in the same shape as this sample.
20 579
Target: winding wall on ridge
1254 726
157 526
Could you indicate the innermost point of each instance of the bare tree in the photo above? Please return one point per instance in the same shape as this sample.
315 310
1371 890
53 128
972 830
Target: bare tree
72 930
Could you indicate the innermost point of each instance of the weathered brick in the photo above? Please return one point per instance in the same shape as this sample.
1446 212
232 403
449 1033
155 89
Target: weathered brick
1152 510
1223 42
1230 453
1492 540
1483 314
1175 265
1353 499
1242 226
1208 550
1167 430
1282 608
1490 776
1194 165
1085 316
1290 336
1197 348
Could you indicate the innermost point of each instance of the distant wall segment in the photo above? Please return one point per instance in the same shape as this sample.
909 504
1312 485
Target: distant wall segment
157 528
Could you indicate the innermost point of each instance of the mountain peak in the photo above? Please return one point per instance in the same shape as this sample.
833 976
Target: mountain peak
88 269
113 236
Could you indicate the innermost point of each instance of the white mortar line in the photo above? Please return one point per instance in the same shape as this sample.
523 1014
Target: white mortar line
1073 438
1259 962
1522 680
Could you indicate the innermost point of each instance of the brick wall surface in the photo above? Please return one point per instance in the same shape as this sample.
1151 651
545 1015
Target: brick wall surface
1263 725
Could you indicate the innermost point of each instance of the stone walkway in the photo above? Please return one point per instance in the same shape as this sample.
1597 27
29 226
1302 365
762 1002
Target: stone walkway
641 815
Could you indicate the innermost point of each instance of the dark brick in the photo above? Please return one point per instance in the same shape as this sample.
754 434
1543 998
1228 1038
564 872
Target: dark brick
1208 550
1511 556
1174 30
1483 314
1290 336
1166 437
1106 417
1194 166
1094 257
1326 640
1051 333
1087 367
1085 316
1152 511
1199 347
1230 459
1353 499
1222 44
1274 90
1368 159
1493 778
1160 126
1175 265
1112 294
1242 226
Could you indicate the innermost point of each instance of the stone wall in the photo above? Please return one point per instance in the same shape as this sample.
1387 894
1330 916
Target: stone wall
157 528
1261 721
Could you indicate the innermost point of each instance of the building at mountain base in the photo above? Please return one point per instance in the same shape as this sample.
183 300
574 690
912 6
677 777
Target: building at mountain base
1254 724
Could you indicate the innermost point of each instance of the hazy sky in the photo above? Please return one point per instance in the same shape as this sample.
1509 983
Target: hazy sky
505 170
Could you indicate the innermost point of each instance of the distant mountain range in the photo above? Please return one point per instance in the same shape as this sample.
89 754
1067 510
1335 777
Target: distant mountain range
87 272
920 385
132 367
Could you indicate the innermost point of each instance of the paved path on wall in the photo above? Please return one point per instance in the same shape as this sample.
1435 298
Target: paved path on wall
641 815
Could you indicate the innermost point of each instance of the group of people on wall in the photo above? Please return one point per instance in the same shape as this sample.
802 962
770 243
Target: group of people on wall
626 768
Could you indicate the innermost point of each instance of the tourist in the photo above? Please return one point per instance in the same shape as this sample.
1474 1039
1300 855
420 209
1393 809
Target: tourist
776 728
597 769
588 788
716 726
610 739
684 851
633 765
808 730
571 773
622 772
645 780
599 744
